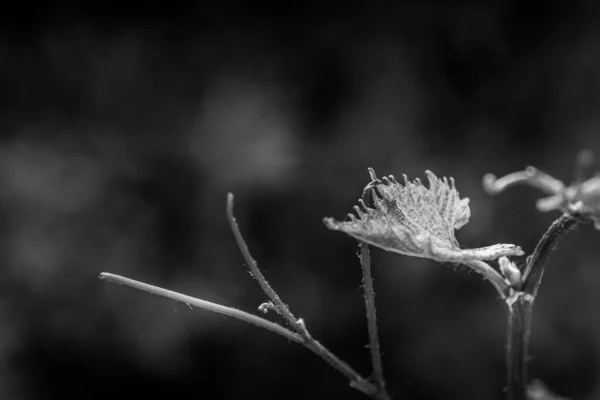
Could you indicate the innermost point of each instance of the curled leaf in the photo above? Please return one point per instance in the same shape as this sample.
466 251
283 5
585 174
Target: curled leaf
416 220
531 176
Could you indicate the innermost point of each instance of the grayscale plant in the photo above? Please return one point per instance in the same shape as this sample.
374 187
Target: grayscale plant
415 220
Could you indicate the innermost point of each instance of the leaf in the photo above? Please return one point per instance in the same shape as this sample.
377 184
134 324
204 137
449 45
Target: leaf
414 220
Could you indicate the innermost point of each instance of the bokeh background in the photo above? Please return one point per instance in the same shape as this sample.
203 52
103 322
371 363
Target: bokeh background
123 129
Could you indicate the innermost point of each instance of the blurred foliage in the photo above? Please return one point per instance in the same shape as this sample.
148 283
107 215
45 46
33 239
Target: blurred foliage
122 135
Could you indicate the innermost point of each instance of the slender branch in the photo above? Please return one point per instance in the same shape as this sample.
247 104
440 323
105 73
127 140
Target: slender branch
356 380
203 304
544 249
365 262
281 308
521 306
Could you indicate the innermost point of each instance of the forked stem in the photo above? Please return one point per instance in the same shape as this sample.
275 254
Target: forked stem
301 334
279 306
356 380
519 319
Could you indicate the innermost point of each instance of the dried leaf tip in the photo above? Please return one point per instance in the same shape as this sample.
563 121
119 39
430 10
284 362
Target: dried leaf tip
582 197
416 220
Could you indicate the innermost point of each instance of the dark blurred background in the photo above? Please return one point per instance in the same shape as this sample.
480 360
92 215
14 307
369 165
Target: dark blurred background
123 128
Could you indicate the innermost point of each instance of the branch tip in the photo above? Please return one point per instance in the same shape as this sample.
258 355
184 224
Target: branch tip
229 205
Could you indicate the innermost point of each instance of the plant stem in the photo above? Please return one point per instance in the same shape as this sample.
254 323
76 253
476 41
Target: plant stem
203 304
544 249
519 319
365 262
356 380
519 331
377 376
281 308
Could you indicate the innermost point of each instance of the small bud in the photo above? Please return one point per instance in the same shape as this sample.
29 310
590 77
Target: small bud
511 272
302 325
265 307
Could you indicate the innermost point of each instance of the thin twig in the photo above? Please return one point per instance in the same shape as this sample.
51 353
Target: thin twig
377 376
519 319
365 262
356 380
281 308
203 304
